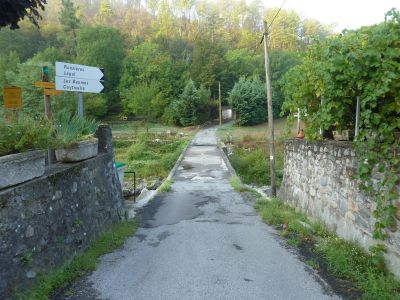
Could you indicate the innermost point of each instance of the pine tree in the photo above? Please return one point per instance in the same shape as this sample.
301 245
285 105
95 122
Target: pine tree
70 25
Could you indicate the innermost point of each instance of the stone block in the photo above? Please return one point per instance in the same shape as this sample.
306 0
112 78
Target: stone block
21 167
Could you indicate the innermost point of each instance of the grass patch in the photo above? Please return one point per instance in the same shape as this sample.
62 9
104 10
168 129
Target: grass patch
253 164
250 157
154 159
83 263
343 259
312 263
236 184
165 186
149 149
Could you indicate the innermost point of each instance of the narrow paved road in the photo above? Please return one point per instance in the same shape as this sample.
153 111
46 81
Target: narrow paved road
202 240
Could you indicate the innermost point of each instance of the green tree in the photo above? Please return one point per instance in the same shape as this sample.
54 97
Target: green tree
148 64
103 47
96 106
207 64
241 62
248 99
25 41
191 108
69 27
313 29
280 63
143 100
284 32
105 14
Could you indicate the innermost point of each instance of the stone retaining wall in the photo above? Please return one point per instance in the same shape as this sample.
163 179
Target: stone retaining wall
318 180
46 221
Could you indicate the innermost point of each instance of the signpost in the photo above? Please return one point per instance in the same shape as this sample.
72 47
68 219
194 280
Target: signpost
12 97
79 78
79 85
52 92
45 85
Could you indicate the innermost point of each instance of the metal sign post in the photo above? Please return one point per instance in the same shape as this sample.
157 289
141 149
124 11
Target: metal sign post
80 104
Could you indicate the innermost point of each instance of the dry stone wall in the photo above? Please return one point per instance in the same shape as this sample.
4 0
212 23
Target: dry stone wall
318 180
46 221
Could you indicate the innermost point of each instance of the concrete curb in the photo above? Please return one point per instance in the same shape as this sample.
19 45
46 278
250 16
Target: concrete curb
227 162
178 162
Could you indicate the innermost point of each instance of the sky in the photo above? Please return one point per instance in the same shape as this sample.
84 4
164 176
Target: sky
347 14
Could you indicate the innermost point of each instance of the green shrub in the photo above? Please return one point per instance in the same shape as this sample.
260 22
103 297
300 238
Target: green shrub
96 106
25 133
248 99
252 166
191 108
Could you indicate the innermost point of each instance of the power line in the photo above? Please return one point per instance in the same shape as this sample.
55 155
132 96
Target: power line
277 13
269 26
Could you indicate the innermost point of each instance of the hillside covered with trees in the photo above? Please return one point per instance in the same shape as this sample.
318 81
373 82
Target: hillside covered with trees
156 54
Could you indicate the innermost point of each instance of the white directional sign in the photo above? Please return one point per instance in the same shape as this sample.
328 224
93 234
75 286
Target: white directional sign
79 78
79 85
78 71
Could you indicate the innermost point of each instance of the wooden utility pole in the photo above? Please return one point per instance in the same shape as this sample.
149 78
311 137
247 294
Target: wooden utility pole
220 105
270 112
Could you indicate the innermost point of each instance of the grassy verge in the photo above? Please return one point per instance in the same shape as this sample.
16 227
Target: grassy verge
236 184
328 253
250 156
166 186
82 263
150 150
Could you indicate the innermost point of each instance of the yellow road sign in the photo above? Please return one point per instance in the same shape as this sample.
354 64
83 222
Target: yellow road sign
46 85
52 92
12 97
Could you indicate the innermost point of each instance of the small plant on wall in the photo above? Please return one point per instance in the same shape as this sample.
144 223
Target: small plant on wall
71 129
75 137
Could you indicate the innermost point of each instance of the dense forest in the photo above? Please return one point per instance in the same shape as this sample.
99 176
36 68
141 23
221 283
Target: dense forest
163 60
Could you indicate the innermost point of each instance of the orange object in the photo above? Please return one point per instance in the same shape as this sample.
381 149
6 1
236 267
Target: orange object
300 135
12 97
46 85
52 92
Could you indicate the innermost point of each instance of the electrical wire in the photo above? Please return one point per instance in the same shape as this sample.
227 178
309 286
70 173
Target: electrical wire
277 13
269 26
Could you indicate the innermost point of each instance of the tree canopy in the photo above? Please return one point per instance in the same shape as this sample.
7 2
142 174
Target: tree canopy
11 12
150 50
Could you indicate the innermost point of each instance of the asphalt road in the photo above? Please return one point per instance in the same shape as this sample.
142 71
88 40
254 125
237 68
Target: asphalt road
203 240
